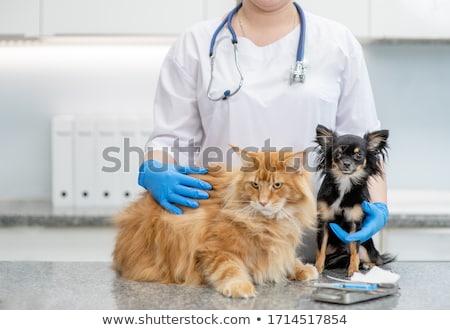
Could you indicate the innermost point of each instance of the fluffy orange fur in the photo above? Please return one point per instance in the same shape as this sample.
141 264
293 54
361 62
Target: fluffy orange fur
246 233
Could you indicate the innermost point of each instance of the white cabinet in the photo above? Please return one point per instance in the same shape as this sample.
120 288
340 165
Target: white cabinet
354 14
410 19
19 17
215 8
367 19
119 17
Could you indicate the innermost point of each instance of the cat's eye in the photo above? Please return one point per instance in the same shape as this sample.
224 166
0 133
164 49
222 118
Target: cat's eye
255 185
277 185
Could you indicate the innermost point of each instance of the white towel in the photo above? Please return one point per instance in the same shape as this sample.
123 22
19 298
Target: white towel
376 275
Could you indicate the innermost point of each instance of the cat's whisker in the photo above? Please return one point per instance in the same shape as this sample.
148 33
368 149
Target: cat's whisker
248 211
290 217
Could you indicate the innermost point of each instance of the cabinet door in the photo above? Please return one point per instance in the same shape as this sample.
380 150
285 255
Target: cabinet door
410 19
352 13
19 17
119 17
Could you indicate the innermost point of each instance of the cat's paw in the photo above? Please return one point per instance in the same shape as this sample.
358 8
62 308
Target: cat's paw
306 272
238 289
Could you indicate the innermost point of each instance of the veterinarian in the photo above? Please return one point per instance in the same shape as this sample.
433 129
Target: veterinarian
269 73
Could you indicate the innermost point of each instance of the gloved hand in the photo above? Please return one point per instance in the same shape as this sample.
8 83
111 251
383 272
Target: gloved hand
375 219
169 184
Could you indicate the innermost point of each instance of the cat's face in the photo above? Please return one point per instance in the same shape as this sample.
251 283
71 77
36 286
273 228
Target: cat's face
267 195
269 183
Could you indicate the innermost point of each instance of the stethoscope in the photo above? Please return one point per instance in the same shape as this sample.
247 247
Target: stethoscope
298 70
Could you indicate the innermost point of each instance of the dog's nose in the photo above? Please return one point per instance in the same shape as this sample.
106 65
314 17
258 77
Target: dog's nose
347 163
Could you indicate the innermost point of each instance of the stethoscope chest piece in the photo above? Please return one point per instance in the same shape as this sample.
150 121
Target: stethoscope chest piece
298 72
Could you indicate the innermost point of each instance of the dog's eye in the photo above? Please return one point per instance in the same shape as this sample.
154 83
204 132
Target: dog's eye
338 155
358 156
277 185
255 184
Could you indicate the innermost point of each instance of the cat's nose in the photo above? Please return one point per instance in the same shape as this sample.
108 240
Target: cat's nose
263 203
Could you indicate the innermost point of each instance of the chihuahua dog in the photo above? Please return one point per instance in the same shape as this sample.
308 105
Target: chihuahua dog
346 162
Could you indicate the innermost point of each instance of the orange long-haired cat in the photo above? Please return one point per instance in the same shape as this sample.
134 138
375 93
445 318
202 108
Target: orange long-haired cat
246 233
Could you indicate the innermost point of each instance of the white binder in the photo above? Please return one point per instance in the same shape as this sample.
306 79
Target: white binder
130 156
84 162
107 168
62 162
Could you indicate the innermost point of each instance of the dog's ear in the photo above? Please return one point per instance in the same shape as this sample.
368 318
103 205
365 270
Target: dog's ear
324 137
377 141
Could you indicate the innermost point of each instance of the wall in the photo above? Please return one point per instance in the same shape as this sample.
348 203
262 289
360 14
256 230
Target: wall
37 82
411 82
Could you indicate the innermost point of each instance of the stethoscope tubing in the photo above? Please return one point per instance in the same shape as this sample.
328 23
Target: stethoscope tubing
301 42
298 70
226 21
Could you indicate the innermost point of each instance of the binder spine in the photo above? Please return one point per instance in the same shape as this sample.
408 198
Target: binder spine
96 159
84 162
62 162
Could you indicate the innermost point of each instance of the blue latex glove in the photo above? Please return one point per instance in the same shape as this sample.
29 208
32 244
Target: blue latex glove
169 184
375 219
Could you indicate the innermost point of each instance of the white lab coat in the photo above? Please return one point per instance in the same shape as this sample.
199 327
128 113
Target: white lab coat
336 93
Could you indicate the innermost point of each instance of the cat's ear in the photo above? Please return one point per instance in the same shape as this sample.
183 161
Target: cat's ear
249 159
294 162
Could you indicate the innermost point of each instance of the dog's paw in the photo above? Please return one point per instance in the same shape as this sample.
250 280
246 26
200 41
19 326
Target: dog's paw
320 262
319 267
353 268
354 265
367 265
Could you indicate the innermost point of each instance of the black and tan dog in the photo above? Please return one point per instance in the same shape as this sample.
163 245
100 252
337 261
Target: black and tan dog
346 162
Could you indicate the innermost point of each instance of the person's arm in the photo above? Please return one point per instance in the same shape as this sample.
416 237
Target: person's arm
176 123
378 187
160 156
376 213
